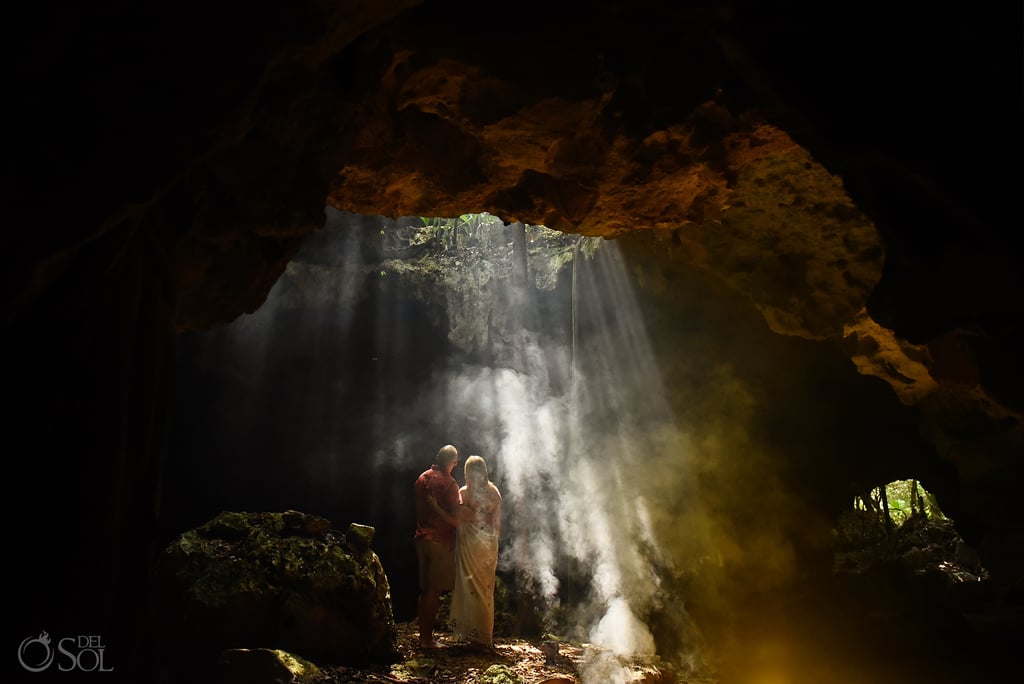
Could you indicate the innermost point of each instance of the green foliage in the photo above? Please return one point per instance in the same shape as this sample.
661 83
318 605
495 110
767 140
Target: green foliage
456 233
899 501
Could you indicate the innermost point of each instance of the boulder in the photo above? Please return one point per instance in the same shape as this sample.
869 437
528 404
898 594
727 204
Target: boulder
265 580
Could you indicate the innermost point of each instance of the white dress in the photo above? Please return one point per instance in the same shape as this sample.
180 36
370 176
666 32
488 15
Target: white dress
476 559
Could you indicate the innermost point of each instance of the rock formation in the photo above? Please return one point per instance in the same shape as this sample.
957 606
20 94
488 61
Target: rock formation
269 580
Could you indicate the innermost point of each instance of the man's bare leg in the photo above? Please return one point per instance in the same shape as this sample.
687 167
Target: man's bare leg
426 607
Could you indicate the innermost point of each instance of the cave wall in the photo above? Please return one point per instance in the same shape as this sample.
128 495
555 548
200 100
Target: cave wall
166 163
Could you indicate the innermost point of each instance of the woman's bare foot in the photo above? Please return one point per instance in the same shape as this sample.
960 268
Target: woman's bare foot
432 644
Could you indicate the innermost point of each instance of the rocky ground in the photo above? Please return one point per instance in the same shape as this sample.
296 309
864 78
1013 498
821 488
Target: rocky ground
513 661
923 562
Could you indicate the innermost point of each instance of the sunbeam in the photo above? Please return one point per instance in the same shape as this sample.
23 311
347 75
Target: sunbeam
386 338
641 443
566 449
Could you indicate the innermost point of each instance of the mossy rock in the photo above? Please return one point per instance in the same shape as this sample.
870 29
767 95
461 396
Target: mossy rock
253 580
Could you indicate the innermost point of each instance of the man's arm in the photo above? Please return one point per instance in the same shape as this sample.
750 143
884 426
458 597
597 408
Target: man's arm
453 520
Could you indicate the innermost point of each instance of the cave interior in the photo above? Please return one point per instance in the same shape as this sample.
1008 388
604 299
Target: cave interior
741 265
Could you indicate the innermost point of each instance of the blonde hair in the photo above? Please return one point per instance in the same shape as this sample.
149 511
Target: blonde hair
478 466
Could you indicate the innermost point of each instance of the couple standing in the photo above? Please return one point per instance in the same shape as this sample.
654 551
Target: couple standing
456 540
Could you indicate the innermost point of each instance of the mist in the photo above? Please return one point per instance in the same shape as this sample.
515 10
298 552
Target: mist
625 428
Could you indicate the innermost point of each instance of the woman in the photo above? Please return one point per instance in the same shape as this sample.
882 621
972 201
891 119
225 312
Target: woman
478 526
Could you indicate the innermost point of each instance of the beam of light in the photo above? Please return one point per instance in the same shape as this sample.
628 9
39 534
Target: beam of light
367 360
636 455
570 452
241 367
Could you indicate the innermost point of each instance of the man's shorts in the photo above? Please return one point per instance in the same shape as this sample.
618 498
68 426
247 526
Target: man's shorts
437 566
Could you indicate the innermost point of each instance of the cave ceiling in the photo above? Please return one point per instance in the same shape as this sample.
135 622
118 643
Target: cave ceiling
845 176
665 125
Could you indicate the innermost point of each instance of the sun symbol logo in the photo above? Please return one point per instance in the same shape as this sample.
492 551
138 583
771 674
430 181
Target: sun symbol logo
37 651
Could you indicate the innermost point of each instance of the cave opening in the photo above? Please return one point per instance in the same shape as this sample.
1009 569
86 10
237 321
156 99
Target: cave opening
386 338
900 524
651 436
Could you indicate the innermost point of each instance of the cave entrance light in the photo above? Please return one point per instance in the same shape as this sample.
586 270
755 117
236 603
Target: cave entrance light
558 387
386 338
901 523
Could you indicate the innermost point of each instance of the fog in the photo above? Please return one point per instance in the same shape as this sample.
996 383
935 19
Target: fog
625 430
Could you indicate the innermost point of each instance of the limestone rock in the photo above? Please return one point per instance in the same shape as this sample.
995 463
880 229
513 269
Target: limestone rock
245 580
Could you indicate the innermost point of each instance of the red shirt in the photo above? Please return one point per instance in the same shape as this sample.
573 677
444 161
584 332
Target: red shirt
429 525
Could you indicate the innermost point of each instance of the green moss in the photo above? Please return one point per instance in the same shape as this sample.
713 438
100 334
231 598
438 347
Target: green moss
303 670
500 674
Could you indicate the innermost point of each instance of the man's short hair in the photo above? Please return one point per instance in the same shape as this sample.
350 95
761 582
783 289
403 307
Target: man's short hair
447 454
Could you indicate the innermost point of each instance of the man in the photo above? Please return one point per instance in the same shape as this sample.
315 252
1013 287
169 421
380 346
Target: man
435 539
